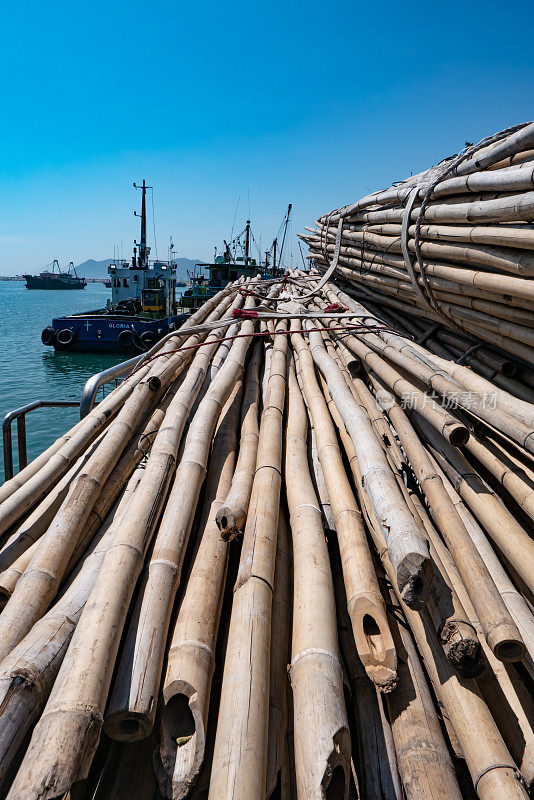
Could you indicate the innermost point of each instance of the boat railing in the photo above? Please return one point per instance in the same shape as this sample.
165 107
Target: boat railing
19 414
86 403
98 381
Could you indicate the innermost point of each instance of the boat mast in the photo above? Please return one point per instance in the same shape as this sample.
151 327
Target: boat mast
247 242
143 249
286 223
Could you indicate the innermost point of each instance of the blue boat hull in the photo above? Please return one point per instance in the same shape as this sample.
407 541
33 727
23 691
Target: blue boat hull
94 333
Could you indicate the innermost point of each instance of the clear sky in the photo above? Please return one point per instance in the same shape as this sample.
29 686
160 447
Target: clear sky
312 103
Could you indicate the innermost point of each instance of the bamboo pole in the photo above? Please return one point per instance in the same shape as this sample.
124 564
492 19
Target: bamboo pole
365 604
18 480
510 208
406 543
30 485
132 707
322 739
473 280
371 270
507 413
504 695
516 261
518 408
374 766
319 482
514 479
10 576
372 523
142 441
512 707
456 634
28 672
454 431
39 583
424 762
191 654
239 760
36 523
232 514
517 606
277 755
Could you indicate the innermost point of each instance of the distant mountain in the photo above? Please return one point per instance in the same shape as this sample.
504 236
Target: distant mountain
99 269
94 269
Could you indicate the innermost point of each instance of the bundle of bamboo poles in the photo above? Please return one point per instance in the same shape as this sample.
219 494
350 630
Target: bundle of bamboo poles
454 245
277 561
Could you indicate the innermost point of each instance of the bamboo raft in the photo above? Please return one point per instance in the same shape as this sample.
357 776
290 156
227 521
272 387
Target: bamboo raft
291 555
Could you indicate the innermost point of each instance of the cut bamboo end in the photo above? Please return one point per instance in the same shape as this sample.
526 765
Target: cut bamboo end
229 524
456 433
414 576
374 642
183 741
127 726
154 383
462 648
322 759
506 643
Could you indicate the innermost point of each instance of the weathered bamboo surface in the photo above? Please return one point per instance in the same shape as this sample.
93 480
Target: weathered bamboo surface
291 556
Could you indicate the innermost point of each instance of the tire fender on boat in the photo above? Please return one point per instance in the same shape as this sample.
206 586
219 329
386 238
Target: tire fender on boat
126 339
65 336
148 338
48 336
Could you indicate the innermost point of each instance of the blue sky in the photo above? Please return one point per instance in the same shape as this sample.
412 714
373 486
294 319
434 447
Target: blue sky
308 103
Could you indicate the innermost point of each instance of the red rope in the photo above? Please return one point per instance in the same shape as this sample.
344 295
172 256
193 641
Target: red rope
251 293
244 313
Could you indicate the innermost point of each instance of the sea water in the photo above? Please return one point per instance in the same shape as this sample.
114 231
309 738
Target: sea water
30 371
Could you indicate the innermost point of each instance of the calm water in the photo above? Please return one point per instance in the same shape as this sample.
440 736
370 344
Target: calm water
30 371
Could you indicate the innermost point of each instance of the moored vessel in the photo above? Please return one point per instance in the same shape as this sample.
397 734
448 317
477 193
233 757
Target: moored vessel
142 308
56 278
234 263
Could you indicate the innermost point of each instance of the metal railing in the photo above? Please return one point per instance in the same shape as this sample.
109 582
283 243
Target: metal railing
96 382
87 402
20 415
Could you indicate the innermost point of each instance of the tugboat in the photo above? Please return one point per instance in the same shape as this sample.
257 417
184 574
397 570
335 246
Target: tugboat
56 280
142 308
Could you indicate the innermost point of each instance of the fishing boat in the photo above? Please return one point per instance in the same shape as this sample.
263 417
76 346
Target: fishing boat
225 268
142 309
233 263
56 278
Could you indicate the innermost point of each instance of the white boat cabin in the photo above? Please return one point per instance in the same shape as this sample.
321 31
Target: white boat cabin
154 286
